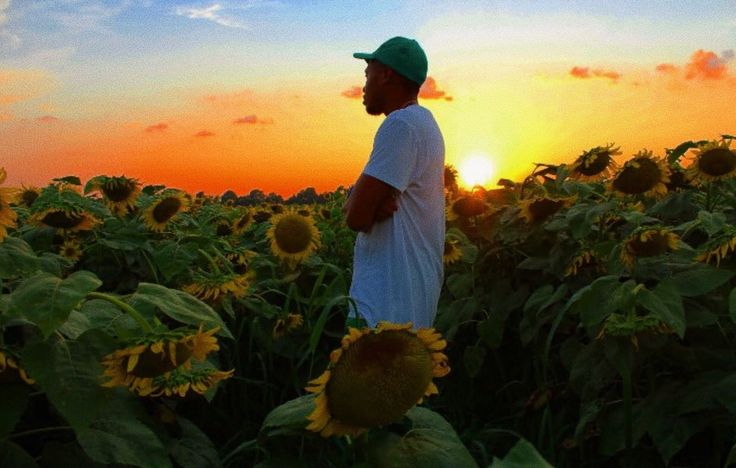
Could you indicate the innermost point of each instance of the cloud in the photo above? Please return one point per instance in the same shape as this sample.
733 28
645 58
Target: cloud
667 68
252 120
156 128
705 65
204 134
727 55
235 99
354 92
87 15
7 39
210 13
18 84
585 73
47 119
429 90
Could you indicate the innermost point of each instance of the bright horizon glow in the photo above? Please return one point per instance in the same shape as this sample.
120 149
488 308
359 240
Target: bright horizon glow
476 169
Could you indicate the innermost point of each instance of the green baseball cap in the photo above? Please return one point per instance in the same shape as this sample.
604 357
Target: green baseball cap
403 55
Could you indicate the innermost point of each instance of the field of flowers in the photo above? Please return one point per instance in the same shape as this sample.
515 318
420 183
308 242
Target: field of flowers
587 319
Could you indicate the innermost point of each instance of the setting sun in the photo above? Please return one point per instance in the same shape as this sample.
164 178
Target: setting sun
476 169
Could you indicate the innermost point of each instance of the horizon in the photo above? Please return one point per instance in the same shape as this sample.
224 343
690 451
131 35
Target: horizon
223 95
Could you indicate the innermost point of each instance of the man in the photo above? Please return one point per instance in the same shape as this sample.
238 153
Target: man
397 203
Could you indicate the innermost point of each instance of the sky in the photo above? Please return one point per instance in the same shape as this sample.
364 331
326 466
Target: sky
242 94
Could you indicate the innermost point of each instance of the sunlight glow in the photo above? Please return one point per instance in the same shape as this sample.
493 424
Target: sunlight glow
476 169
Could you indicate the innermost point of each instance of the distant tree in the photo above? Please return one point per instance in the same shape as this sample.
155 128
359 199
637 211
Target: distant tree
274 198
229 197
306 196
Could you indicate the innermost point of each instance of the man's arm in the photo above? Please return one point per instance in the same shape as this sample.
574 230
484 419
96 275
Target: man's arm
371 200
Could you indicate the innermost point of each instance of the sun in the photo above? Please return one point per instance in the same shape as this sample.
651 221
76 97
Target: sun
476 169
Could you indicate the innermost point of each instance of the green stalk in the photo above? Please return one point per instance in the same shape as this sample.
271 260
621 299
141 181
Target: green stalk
124 307
628 419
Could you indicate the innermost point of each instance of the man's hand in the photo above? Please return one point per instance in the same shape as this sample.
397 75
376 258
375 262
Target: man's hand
388 207
371 200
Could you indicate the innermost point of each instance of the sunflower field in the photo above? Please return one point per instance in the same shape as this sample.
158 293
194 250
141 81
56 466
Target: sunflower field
587 319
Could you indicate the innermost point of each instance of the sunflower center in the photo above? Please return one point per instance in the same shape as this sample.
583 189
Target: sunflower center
639 177
243 221
468 206
60 219
118 191
594 164
28 197
224 229
717 161
166 209
292 234
151 364
378 378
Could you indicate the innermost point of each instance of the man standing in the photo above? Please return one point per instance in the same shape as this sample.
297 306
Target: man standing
397 203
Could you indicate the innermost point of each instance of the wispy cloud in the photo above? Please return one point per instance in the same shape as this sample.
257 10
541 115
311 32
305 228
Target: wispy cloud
88 15
706 65
429 90
204 134
7 39
212 13
252 119
586 72
156 128
47 119
354 92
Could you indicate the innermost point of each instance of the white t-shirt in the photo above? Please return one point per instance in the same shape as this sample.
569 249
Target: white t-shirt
397 265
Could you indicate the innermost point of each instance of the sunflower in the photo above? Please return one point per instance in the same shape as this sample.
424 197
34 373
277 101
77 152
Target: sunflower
213 286
25 196
585 257
286 325
465 206
164 208
65 220
261 216
180 381
156 355
293 237
538 209
120 193
717 250
8 216
633 325
713 160
595 164
451 179
277 208
375 377
10 370
452 252
224 228
71 249
648 243
642 175
243 221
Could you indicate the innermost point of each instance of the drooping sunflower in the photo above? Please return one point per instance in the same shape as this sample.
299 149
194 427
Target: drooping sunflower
293 237
719 248
242 222
713 160
595 164
71 249
452 252
632 326
213 286
465 206
164 208
537 209
154 355
66 220
25 196
262 216
277 208
648 242
8 216
182 381
286 325
642 175
375 377
10 371
584 257
120 193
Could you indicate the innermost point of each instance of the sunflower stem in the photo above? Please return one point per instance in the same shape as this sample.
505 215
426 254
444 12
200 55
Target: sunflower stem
211 260
124 307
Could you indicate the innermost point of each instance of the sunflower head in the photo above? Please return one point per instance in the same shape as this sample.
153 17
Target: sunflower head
595 164
583 258
538 209
120 193
713 160
465 206
451 178
375 377
71 249
286 324
8 216
262 216
10 370
293 237
642 175
648 242
165 207
213 285
26 196
183 381
242 221
719 248
452 252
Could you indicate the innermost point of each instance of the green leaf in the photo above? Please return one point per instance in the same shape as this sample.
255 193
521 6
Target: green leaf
431 441
288 418
491 330
47 300
11 455
13 399
593 302
473 358
70 374
123 441
522 455
17 258
193 449
732 305
460 284
666 304
179 305
699 280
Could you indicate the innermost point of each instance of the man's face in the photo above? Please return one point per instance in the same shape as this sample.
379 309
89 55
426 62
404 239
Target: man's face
375 77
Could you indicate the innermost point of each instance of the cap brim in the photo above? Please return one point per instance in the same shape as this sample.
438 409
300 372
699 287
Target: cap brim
363 55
